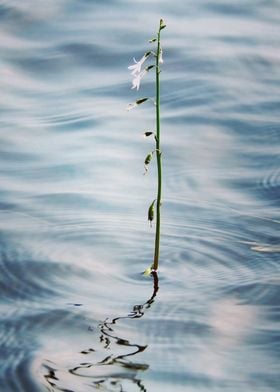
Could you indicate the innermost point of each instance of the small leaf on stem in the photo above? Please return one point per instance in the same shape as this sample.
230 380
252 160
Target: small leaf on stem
147 161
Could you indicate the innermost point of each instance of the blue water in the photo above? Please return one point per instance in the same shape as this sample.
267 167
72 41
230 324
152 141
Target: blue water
76 312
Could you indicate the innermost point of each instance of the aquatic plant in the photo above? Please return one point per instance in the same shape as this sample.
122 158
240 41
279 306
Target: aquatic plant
138 73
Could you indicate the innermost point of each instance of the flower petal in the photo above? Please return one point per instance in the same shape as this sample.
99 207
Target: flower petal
137 79
160 60
136 68
131 106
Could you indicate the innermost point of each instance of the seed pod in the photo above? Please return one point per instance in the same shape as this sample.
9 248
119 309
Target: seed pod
151 212
148 159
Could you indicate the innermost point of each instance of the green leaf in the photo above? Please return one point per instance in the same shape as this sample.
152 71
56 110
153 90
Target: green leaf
152 40
149 67
148 271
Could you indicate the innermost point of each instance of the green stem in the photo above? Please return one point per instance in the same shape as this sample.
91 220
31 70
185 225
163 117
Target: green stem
158 154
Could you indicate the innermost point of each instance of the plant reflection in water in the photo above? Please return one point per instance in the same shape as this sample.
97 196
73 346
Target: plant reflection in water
115 371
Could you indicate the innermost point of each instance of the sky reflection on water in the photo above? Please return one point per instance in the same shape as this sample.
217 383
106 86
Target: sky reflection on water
74 236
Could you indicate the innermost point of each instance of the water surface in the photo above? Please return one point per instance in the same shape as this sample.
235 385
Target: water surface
76 313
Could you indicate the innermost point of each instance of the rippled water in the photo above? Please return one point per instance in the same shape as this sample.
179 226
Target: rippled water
76 313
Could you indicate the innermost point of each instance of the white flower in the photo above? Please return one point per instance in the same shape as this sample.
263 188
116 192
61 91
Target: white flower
160 60
136 68
131 106
137 79
136 103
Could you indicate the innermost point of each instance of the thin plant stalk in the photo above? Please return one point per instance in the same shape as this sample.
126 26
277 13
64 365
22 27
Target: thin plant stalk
138 73
158 155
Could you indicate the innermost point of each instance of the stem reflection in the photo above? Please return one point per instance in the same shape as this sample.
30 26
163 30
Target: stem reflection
116 371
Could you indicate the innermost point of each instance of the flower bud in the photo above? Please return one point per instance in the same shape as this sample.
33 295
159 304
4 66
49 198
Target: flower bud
148 133
162 25
149 67
141 100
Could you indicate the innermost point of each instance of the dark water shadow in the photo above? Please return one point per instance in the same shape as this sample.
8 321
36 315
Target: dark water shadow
114 370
